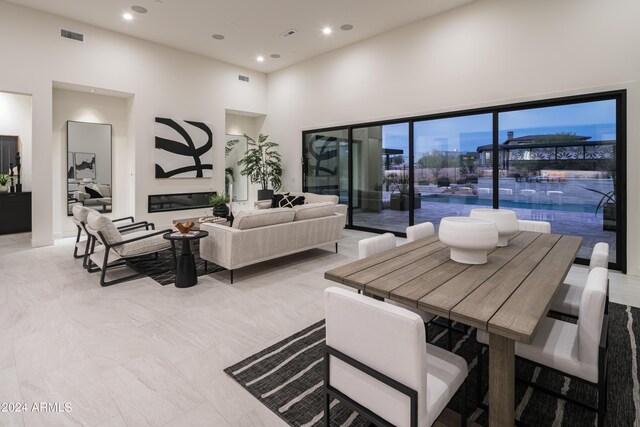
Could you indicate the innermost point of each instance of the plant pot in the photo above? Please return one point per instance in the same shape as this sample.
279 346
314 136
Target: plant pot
265 194
401 203
3 188
609 217
221 211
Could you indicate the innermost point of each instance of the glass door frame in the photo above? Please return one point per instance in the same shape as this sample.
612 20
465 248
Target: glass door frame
620 96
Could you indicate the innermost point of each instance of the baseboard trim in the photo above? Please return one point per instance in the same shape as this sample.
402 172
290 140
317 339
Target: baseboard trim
41 243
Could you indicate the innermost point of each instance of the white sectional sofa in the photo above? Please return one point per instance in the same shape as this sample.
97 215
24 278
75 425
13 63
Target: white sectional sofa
263 234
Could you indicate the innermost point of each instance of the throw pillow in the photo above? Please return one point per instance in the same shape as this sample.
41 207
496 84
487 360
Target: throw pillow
93 192
275 200
291 201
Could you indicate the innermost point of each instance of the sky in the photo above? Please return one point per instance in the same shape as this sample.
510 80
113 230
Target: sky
594 119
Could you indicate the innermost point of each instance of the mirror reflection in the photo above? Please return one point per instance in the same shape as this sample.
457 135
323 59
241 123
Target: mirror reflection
234 183
89 166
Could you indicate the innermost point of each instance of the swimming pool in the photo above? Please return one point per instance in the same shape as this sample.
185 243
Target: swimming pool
505 203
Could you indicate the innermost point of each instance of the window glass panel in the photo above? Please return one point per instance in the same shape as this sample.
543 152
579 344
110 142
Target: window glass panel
326 163
453 166
380 195
568 178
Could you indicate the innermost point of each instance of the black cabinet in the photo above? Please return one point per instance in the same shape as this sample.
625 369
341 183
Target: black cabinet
15 212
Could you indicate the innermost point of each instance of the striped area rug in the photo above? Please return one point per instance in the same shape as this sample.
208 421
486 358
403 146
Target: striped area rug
288 378
162 270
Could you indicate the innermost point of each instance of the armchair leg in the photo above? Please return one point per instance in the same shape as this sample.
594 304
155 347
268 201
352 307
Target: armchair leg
336 247
75 249
231 276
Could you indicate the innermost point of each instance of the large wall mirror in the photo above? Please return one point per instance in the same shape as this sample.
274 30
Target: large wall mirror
238 184
89 166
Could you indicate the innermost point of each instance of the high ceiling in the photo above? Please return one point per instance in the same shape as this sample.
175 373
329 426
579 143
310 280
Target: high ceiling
250 27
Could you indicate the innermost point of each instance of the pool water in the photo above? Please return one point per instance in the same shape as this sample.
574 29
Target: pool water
469 200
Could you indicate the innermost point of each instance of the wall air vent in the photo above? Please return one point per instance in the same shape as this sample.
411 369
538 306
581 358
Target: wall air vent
71 35
243 78
288 33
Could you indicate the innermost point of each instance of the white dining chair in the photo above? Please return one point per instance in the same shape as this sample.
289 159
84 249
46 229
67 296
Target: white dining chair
420 231
376 244
537 226
377 363
567 300
579 350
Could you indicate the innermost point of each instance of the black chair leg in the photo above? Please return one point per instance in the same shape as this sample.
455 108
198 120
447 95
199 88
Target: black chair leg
479 368
231 276
449 335
336 247
75 249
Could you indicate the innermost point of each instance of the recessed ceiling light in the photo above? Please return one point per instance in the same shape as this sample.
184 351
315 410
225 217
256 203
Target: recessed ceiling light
327 31
139 9
127 16
346 27
260 58
93 90
275 55
218 36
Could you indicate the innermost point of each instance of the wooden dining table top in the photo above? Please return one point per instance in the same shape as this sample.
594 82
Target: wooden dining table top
506 296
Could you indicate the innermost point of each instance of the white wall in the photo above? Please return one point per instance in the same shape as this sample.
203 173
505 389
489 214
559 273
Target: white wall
15 120
88 107
166 82
486 53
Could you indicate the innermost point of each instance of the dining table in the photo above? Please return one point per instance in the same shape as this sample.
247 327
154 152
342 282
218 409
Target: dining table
507 297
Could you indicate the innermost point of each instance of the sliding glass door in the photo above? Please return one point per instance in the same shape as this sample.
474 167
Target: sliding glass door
451 176
380 195
558 164
560 160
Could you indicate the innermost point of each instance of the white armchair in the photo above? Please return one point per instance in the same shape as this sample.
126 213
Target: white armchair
576 350
377 362
115 248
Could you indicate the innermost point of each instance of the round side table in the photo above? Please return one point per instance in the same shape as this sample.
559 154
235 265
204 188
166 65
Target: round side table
186 275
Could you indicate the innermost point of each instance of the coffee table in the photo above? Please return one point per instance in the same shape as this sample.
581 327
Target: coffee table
186 275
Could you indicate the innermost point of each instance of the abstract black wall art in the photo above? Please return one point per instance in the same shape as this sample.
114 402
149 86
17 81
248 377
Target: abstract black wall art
184 149
85 165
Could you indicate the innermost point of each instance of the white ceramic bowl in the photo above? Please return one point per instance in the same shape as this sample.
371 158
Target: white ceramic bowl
506 221
468 238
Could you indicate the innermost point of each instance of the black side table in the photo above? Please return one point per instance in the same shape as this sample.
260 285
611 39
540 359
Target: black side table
186 275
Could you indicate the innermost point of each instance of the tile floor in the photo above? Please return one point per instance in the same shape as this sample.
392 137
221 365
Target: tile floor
142 354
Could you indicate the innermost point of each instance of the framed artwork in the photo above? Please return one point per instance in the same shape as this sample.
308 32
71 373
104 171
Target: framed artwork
183 148
71 171
85 165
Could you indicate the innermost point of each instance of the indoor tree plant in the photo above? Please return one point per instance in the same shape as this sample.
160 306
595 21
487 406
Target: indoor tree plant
219 203
263 165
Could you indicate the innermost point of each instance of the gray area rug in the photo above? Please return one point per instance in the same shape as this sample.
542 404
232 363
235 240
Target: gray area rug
288 378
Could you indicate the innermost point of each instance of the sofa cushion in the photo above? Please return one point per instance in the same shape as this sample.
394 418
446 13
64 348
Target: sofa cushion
246 220
317 198
98 222
105 190
144 246
288 201
314 210
275 199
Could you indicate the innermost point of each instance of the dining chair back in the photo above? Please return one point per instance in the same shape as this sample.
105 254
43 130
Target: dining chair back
376 358
374 245
420 231
537 226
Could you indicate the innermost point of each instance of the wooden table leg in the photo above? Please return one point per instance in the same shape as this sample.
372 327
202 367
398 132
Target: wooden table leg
501 381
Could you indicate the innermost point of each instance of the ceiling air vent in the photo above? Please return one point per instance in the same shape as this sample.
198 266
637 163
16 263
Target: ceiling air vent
243 78
71 35
288 33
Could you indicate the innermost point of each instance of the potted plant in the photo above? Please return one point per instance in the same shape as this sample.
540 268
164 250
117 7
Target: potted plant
263 165
400 201
608 205
4 179
219 203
